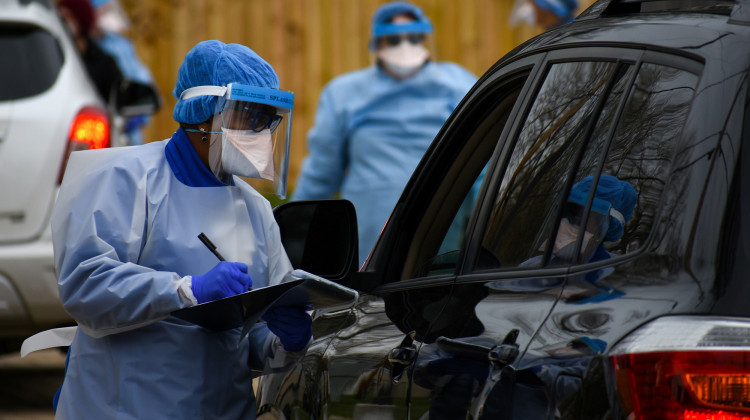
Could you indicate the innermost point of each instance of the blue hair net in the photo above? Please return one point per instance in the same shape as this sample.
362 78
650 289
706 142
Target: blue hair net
620 194
382 16
214 63
562 8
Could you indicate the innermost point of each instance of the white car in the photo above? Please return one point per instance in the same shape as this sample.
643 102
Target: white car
48 108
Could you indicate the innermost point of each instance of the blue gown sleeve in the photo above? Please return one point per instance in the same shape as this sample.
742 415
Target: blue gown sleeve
98 227
324 167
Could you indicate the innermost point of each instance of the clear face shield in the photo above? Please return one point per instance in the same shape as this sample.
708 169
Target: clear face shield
251 134
574 222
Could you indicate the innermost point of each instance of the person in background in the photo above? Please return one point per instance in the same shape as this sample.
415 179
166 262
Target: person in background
544 13
108 32
125 233
102 68
372 126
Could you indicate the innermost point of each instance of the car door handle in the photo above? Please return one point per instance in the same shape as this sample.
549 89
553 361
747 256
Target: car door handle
505 353
402 356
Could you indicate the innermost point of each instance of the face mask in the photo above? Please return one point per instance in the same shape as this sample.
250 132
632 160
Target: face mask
111 21
524 14
565 241
246 153
403 59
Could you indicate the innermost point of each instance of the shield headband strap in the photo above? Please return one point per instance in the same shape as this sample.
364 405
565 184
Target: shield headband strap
617 215
203 91
384 29
283 101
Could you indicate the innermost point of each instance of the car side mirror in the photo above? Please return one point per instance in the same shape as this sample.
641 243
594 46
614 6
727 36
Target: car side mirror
136 98
320 236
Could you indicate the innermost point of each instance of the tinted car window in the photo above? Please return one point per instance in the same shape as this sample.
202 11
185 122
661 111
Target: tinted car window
552 142
464 179
544 154
645 142
31 61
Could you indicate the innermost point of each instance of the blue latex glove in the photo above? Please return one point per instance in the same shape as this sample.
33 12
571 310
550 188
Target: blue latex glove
291 324
224 280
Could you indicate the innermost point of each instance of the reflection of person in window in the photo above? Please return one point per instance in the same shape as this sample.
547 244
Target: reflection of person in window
612 207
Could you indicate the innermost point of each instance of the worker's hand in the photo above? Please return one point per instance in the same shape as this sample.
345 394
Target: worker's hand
224 280
291 324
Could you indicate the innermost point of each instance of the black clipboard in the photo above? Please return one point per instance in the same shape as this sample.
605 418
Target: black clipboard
299 288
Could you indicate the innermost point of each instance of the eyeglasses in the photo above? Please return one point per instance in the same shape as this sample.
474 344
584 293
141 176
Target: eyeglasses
247 118
393 40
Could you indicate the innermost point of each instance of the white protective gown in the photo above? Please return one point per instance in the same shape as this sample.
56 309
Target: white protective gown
125 234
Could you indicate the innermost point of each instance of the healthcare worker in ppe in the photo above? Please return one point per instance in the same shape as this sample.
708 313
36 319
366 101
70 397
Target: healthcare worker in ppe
611 208
544 13
108 32
125 233
372 126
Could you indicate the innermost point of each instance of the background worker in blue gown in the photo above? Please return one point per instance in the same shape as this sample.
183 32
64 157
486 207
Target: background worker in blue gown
109 33
372 126
125 234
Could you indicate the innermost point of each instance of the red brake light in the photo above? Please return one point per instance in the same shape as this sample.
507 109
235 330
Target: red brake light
89 130
686 368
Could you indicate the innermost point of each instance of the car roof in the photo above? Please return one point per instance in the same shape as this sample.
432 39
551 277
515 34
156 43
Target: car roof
700 29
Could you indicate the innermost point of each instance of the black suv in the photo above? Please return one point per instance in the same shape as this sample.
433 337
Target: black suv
469 309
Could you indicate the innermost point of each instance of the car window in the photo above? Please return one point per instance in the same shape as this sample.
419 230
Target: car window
449 214
31 61
555 153
544 155
645 143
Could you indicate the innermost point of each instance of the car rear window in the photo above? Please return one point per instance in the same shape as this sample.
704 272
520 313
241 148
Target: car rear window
31 60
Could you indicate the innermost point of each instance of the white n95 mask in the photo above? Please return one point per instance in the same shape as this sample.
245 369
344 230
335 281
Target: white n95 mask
246 153
524 14
564 246
404 58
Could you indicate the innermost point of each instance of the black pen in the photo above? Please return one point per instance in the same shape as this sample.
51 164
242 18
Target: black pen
210 245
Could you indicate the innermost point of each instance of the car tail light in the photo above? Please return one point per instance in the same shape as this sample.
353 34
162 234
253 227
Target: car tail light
685 367
89 130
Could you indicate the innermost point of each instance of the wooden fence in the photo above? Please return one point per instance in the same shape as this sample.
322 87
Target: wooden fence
307 41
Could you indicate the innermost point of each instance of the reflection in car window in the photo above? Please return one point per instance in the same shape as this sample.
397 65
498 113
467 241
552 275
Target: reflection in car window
468 174
542 159
640 154
645 142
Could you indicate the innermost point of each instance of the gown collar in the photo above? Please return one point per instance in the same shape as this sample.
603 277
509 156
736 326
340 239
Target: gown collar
185 163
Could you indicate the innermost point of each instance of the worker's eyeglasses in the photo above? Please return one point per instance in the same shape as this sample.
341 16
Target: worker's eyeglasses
393 40
252 119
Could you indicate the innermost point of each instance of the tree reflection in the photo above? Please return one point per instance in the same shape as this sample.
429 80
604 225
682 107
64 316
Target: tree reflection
640 151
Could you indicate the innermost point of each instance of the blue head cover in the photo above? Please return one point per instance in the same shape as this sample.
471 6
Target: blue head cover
214 63
562 8
620 194
381 25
